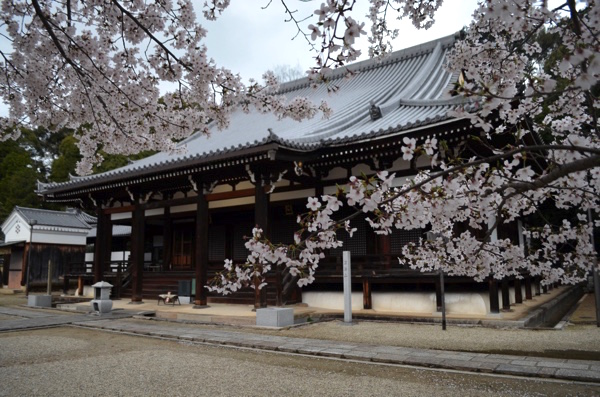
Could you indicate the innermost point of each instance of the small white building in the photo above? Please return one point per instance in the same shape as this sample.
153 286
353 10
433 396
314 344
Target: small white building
40 236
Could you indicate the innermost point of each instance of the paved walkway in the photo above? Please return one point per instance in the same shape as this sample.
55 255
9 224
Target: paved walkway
33 319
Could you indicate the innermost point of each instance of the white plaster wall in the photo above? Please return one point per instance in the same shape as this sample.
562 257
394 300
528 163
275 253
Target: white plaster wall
178 195
120 215
154 211
183 208
244 185
331 190
400 164
231 202
9 228
336 173
361 169
282 183
114 256
297 194
512 294
467 303
222 188
403 302
57 237
331 300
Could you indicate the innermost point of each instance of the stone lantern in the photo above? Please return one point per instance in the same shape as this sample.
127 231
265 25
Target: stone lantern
101 302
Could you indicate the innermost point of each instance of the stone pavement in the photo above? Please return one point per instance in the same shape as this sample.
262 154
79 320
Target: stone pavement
563 369
33 319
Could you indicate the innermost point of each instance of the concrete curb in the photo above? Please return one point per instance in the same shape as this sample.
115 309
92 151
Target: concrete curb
554 310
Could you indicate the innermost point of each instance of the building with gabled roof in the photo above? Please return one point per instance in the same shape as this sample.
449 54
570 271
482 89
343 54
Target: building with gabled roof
55 236
60 236
190 209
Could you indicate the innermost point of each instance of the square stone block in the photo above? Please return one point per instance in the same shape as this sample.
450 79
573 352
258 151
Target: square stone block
185 300
39 300
274 317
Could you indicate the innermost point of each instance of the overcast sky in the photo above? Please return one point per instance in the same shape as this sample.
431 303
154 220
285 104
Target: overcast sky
250 40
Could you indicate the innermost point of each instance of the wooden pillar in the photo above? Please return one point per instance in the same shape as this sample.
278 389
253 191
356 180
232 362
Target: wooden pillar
385 250
494 302
137 253
100 249
518 291
537 286
528 289
201 251
367 300
438 294
167 240
80 286
505 294
261 218
278 286
66 285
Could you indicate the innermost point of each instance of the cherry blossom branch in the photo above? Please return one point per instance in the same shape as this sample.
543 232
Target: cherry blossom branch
151 36
40 14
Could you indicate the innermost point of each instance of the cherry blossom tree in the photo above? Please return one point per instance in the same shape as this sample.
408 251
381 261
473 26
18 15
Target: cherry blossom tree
96 66
537 166
100 65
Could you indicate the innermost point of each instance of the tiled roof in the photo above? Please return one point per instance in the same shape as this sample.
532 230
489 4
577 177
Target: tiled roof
410 86
117 231
52 218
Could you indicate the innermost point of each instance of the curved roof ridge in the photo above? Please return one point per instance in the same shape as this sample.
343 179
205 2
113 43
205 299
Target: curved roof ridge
74 177
427 70
393 57
455 100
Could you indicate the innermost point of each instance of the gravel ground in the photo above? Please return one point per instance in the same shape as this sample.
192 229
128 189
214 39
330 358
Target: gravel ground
78 362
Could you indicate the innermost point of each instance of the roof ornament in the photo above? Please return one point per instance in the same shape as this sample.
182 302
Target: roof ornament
193 182
298 168
208 187
272 185
272 136
250 173
374 111
92 199
130 194
147 197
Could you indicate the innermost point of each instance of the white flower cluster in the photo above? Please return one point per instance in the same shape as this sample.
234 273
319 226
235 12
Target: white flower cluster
317 233
336 30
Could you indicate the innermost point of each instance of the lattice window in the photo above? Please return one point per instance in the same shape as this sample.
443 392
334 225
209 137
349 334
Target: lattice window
357 245
399 238
216 242
182 248
240 252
